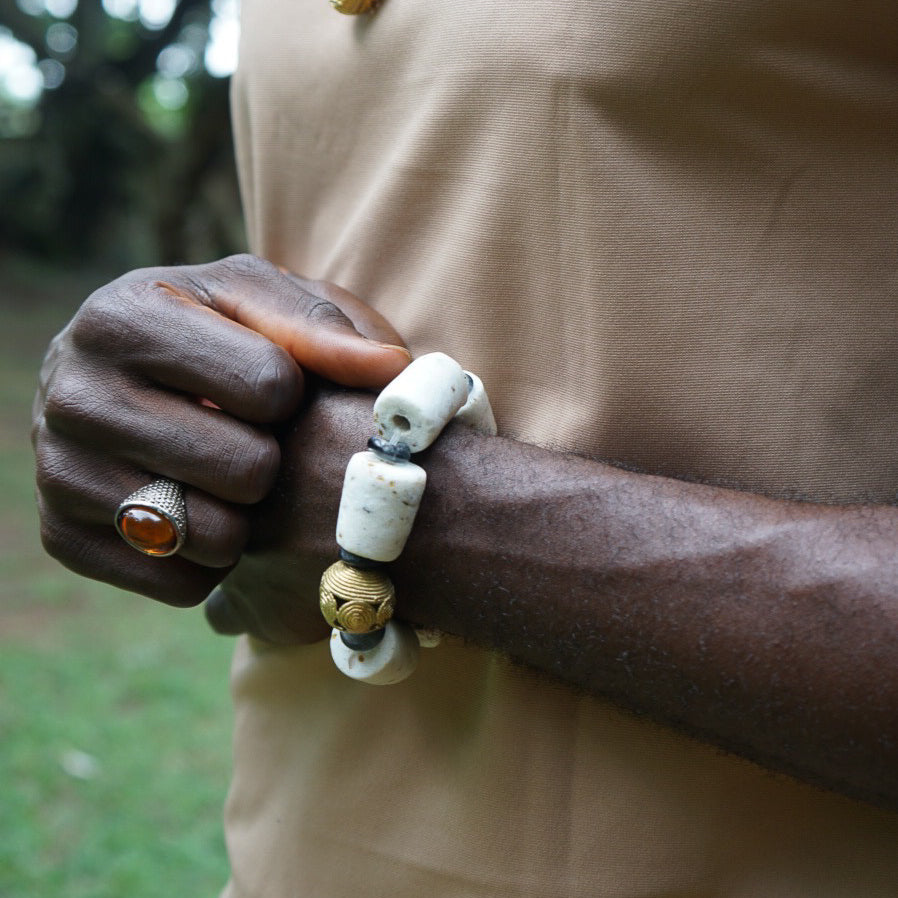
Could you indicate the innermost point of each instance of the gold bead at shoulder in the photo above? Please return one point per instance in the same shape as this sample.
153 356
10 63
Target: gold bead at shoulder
354 7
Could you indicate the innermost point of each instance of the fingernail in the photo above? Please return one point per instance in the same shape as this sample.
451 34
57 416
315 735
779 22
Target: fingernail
393 346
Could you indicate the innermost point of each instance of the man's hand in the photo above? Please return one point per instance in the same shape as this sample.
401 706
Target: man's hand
181 373
272 594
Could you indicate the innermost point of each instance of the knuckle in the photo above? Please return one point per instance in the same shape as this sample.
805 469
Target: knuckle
313 300
75 402
52 474
102 314
60 540
198 286
221 536
247 263
275 383
115 318
69 399
243 266
70 483
252 468
207 281
320 311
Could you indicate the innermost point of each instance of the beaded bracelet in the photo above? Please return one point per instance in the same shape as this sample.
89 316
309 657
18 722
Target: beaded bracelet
382 490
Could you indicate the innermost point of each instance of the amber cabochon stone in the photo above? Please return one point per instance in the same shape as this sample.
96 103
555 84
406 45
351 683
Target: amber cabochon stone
147 530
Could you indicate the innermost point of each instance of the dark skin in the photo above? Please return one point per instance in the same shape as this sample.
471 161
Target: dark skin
120 397
767 627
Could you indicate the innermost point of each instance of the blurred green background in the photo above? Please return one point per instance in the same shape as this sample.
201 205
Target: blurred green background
115 720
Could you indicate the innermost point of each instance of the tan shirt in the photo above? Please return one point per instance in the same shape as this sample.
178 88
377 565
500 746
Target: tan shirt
663 234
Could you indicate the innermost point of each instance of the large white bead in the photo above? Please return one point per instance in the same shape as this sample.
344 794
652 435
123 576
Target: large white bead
477 413
378 506
393 659
415 406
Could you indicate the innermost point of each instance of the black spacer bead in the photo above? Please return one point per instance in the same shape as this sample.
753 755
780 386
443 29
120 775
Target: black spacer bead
362 642
365 564
389 451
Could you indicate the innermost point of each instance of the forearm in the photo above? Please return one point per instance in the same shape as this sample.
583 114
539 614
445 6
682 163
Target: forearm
768 627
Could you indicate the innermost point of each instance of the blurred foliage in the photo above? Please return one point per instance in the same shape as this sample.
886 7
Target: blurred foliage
124 158
115 720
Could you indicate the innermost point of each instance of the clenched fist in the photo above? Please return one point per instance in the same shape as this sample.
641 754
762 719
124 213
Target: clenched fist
183 373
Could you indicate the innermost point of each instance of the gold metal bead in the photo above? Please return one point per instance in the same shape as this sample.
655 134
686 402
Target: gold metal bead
356 617
356 600
354 7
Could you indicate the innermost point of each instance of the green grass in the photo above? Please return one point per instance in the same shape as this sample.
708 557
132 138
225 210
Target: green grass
114 713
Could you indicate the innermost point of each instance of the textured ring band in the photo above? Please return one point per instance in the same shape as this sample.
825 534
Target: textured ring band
153 519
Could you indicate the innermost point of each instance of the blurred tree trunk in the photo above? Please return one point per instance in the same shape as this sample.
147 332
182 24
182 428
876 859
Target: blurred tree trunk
199 215
96 179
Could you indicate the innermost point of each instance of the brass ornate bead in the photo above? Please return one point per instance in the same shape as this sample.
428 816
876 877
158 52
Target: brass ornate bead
354 7
356 600
356 617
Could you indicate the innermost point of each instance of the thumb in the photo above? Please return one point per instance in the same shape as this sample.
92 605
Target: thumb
314 321
367 322
341 338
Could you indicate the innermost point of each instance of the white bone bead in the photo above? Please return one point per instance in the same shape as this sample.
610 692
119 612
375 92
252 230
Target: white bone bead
415 406
393 659
477 413
378 506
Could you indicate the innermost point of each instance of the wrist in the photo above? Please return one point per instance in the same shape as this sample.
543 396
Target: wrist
382 492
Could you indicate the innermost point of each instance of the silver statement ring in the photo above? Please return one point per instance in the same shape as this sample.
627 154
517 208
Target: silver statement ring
153 519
